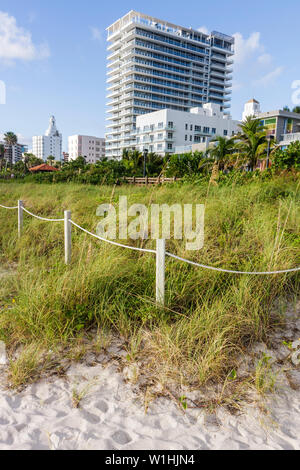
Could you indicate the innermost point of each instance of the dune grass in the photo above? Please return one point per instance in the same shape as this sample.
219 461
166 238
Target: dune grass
209 317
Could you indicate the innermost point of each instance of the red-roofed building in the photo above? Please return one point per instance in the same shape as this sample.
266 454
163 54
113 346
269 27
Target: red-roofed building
43 168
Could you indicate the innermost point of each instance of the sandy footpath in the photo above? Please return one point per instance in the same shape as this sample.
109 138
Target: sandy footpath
112 417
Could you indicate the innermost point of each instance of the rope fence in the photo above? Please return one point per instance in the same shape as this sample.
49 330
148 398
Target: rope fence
9 208
42 218
160 251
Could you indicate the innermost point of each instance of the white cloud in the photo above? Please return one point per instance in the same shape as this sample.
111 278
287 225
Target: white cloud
265 59
250 56
96 34
203 29
246 47
269 77
16 43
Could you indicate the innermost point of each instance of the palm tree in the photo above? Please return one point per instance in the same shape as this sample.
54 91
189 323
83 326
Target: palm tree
252 140
133 160
2 155
222 151
50 159
30 160
296 109
10 139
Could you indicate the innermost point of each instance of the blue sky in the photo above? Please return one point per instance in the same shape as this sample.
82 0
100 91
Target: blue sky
53 56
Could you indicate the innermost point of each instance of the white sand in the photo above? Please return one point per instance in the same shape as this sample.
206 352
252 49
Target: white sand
112 417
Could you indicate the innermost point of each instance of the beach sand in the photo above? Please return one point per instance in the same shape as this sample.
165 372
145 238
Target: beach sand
111 416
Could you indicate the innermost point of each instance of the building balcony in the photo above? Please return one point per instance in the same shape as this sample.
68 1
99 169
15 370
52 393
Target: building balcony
114 78
114 55
216 74
155 129
289 138
222 48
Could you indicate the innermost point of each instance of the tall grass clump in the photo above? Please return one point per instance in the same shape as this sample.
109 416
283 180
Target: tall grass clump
209 317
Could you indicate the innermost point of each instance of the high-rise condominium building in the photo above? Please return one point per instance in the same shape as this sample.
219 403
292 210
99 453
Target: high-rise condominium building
87 146
153 65
13 153
50 144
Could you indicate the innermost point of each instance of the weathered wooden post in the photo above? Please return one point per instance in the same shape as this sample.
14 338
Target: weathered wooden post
160 271
20 218
68 237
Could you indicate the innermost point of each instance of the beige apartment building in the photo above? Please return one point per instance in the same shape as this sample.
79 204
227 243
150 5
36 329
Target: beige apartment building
90 147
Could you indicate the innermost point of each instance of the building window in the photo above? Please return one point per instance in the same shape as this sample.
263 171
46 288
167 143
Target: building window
186 137
225 132
206 130
170 124
191 138
170 146
160 125
186 127
191 127
214 130
197 128
170 135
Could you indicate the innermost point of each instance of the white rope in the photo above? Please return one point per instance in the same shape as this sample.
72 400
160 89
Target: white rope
229 271
42 218
111 242
171 255
10 208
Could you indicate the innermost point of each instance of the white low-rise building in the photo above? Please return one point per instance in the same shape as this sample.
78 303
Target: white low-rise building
90 147
171 131
50 144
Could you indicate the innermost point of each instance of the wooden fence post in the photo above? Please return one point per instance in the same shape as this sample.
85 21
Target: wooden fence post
160 271
68 237
20 218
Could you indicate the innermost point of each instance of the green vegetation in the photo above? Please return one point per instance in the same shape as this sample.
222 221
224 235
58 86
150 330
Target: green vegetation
289 158
234 154
252 223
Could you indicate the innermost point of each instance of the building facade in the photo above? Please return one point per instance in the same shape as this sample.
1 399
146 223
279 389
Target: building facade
154 65
14 153
90 147
283 125
65 157
251 108
50 144
171 131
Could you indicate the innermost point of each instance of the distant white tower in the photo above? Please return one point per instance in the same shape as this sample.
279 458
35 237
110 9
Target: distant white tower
49 144
251 108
